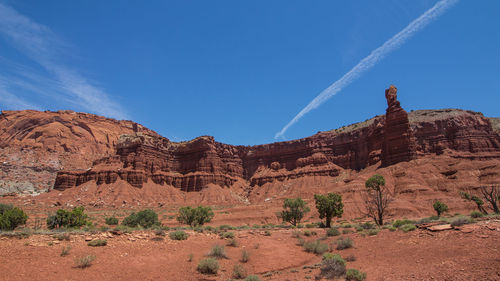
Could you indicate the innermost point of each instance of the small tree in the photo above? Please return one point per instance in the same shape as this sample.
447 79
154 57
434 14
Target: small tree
440 207
475 199
492 195
329 206
376 198
195 216
294 210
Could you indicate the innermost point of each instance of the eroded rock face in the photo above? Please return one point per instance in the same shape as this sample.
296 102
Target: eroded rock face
86 148
399 142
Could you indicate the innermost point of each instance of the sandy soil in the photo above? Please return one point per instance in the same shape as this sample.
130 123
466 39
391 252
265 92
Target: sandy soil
472 253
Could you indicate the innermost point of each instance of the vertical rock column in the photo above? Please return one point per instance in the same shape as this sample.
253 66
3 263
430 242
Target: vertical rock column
399 143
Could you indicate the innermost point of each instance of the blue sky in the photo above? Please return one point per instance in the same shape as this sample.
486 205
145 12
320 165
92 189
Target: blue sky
241 70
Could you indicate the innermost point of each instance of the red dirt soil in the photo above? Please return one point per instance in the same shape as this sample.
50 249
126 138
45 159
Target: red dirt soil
468 254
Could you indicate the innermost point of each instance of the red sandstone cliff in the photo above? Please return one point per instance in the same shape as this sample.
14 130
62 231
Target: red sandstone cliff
390 139
89 148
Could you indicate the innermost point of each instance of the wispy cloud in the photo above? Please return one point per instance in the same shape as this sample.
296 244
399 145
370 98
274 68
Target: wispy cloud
41 45
375 56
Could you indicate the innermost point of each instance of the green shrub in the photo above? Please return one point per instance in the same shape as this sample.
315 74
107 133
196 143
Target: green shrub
296 234
440 207
208 266
460 221
195 216
408 227
367 225
399 223
227 235
178 235
476 214
309 233
252 278
239 271
372 232
218 252
392 229
85 261
333 266
65 251
350 258
232 243
63 218
98 243
346 231
62 236
245 256
354 275
344 243
11 217
294 210
332 232
111 221
310 225
145 218
315 247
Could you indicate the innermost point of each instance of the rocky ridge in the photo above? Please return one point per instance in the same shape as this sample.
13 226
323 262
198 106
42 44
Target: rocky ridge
390 139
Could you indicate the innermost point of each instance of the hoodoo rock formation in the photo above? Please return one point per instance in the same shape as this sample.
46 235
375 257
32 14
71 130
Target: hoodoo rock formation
85 148
399 143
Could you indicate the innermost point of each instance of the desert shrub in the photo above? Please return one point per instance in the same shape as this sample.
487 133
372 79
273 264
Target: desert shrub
294 210
111 221
145 218
252 278
11 217
301 241
440 207
367 225
315 247
310 225
208 266
195 216
399 223
358 228
232 242
354 275
332 266
178 235
267 233
332 232
218 252
239 271
347 225
344 243
227 235
346 231
372 232
63 218
460 221
408 227
309 233
350 258
62 236
190 257
85 261
476 214
65 251
392 228
245 256
296 234
160 232
98 243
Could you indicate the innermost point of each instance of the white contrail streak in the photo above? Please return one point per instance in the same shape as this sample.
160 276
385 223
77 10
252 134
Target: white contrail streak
375 56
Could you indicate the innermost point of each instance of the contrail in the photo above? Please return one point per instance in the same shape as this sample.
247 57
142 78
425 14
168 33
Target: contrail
375 56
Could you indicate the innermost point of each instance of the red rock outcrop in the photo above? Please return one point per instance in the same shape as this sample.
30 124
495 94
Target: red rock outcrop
399 143
88 148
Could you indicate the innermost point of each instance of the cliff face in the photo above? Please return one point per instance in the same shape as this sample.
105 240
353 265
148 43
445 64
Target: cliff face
82 148
35 145
390 139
